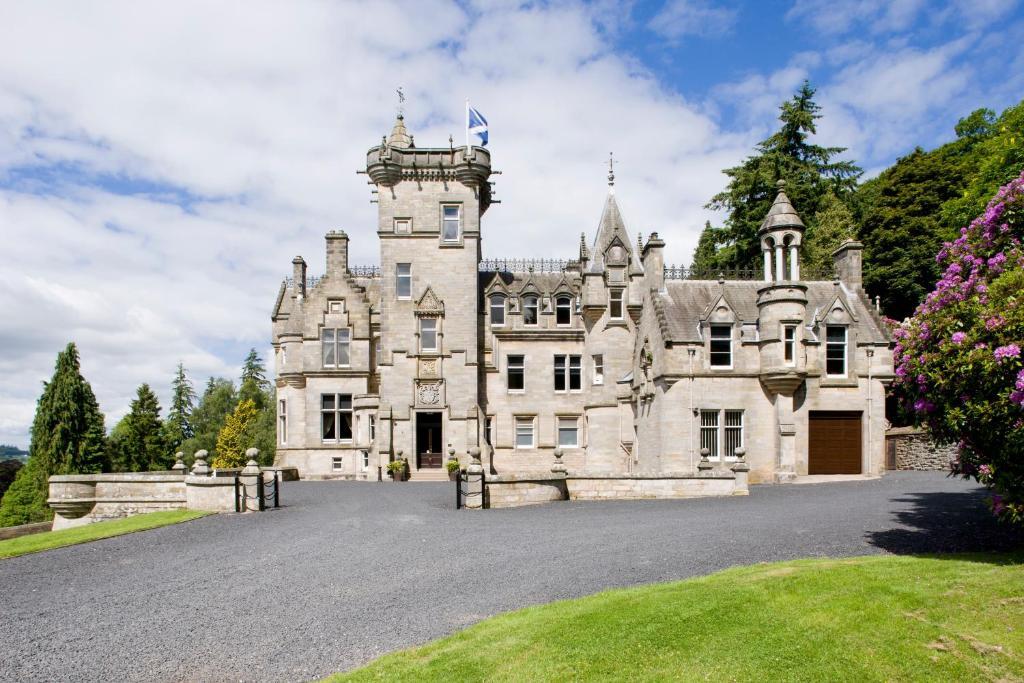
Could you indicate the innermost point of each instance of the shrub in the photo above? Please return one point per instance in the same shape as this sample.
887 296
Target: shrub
958 360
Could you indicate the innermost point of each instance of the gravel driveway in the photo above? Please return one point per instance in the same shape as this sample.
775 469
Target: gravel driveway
347 571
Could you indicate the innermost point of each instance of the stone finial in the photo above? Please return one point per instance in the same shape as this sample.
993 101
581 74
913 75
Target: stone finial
200 467
704 463
740 452
252 467
780 184
475 466
179 463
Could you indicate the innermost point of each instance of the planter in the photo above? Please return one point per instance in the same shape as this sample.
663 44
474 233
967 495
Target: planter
453 475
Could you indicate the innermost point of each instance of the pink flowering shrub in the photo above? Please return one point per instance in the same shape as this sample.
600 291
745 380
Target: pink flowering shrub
959 365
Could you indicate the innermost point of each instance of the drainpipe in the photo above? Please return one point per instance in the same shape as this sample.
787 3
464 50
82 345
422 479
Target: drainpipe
871 440
691 352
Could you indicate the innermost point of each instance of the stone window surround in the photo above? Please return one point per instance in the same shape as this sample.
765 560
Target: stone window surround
617 297
338 413
577 431
520 367
337 463
844 345
526 306
399 278
789 341
443 222
403 221
491 307
720 426
438 335
566 372
711 338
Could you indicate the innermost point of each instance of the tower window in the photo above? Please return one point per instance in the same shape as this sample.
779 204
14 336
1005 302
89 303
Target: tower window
789 344
516 369
615 304
403 280
497 309
282 422
721 346
835 351
563 311
451 222
428 334
530 310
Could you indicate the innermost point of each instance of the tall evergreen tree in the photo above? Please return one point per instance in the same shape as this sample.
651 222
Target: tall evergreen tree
254 370
178 426
832 225
237 435
809 171
141 446
67 437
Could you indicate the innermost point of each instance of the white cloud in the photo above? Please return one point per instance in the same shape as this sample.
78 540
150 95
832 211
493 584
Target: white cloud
680 18
879 16
261 116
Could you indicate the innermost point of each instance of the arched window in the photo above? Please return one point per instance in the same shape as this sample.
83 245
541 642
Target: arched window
529 310
563 310
497 309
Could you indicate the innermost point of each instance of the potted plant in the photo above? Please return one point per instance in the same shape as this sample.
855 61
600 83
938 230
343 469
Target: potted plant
396 468
453 469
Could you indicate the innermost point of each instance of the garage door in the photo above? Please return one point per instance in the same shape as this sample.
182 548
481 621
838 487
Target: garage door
834 443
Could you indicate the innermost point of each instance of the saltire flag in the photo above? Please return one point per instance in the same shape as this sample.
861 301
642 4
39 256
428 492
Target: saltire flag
476 124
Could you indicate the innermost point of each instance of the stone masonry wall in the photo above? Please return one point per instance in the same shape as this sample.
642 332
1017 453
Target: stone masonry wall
915 450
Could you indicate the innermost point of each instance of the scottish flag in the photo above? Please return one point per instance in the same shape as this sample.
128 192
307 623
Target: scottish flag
476 124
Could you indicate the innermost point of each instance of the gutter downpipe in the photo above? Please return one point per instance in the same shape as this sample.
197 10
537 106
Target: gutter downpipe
871 439
691 352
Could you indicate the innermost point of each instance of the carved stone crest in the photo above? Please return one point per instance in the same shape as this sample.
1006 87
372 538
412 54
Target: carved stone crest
429 394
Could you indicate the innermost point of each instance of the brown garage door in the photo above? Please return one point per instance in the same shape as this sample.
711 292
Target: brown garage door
834 443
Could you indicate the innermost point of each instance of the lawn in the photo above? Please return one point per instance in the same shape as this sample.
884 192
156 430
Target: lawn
92 532
878 618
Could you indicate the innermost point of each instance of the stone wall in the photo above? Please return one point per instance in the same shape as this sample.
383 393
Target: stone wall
913 449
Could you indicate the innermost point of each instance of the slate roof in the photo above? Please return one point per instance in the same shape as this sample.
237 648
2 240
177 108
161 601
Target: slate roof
546 283
687 302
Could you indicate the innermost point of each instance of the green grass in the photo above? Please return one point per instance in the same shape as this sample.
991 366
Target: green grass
882 618
93 532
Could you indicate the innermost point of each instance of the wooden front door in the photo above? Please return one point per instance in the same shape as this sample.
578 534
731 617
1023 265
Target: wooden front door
834 443
429 442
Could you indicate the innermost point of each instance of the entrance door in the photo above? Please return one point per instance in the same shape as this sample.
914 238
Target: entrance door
834 443
429 449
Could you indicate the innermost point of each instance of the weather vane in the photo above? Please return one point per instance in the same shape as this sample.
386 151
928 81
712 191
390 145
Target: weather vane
401 101
611 170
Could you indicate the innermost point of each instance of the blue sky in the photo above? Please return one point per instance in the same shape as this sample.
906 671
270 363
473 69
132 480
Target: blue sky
161 163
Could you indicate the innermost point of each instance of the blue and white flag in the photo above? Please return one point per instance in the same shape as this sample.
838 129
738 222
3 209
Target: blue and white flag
476 125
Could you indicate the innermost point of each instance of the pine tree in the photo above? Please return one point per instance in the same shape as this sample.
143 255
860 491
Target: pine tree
141 444
217 402
178 426
809 171
237 436
253 370
67 437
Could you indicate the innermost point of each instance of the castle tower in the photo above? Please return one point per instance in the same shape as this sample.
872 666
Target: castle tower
430 201
782 308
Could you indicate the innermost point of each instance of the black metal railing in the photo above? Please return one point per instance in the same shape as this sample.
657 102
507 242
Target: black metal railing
265 492
524 265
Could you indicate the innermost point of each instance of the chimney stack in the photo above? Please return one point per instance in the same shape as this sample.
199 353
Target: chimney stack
847 259
337 253
654 262
298 277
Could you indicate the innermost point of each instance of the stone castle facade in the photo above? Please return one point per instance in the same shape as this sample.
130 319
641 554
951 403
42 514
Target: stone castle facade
627 367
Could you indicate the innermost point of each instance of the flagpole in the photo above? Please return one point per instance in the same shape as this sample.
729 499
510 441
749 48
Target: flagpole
467 127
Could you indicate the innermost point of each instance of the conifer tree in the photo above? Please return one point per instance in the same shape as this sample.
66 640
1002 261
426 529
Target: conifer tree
832 225
141 445
237 435
254 370
809 171
67 437
178 426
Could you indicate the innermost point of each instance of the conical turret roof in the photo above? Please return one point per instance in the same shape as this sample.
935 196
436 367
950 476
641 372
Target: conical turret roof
610 227
399 135
782 214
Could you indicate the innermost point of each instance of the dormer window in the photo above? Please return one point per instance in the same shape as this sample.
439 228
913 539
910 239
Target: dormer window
563 311
497 310
835 351
615 304
451 222
530 310
721 346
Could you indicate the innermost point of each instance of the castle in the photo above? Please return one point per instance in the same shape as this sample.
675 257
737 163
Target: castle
625 366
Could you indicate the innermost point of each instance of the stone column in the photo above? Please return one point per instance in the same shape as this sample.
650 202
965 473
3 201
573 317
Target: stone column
199 467
794 264
767 265
474 486
780 273
786 470
251 482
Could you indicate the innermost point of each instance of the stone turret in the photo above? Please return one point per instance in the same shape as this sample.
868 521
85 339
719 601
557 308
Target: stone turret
781 234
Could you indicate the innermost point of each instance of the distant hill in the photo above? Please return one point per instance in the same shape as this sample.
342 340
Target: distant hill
8 452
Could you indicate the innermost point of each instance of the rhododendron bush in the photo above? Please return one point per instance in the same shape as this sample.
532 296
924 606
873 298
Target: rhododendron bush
958 360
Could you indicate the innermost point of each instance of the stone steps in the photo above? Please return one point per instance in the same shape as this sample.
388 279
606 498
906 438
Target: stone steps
440 474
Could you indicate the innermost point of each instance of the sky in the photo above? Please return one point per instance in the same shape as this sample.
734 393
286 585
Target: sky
161 163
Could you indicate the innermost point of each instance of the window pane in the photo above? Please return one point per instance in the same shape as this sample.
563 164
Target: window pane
563 311
345 426
497 310
450 229
327 346
344 401
721 345
559 373
575 373
516 373
568 431
327 401
403 279
428 334
709 432
343 347
329 424
530 310
615 303
836 333
733 431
